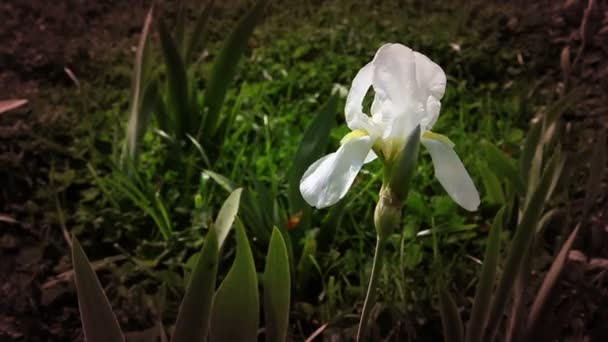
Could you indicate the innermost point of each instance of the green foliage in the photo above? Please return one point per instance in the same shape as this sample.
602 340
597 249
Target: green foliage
275 118
483 293
312 146
235 312
234 304
142 97
98 321
277 288
225 68
452 324
193 320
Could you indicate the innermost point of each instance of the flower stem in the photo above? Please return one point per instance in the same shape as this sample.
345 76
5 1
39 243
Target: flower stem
370 298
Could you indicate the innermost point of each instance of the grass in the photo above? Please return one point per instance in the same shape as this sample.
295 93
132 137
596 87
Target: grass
302 52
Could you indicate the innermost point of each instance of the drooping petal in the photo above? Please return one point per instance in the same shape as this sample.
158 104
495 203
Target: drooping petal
328 179
355 117
452 175
371 156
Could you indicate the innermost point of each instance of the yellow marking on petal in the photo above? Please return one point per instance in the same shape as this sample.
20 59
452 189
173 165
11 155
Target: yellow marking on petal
439 137
358 133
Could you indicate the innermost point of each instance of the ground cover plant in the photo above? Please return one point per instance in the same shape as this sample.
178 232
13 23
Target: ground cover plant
207 112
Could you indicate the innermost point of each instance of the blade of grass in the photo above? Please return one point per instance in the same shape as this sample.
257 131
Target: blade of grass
180 30
277 287
227 215
598 163
450 318
521 241
531 146
516 317
99 323
221 180
168 226
492 185
138 118
193 319
8 105
235 313
224 68
177 82
312 146
502 165
483 294
196 38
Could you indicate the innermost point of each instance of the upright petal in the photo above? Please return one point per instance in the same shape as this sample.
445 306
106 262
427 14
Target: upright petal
328 179
431 81
394 75
398 105
452 175
355 118
431 78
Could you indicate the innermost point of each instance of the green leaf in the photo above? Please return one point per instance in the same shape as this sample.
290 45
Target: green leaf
221 180
531 146
161 115
404 167
226 216
277 287
235 313
521 242
483 293
98 321
196 38
554 112
8 105
193 319
177 82
329 226
180 30
492 185
141 106
450 318
224 68
598 162
312 146
538 307
167 227
502 165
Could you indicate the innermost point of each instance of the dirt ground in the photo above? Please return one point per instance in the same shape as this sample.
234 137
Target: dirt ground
41 38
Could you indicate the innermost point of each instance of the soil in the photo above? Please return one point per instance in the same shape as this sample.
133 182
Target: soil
43 39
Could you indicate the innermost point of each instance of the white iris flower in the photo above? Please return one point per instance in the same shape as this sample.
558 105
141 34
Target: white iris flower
408 88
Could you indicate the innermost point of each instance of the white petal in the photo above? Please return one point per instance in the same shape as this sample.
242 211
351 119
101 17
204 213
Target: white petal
328 179
394 73
399 105
431 78
452 175
433 107
355 118
371 156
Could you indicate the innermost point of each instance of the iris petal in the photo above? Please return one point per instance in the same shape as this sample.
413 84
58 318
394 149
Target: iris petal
452 175
355 118
328 179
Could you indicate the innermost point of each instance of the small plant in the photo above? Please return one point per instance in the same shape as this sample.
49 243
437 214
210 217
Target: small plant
529 191
230 313
408 88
